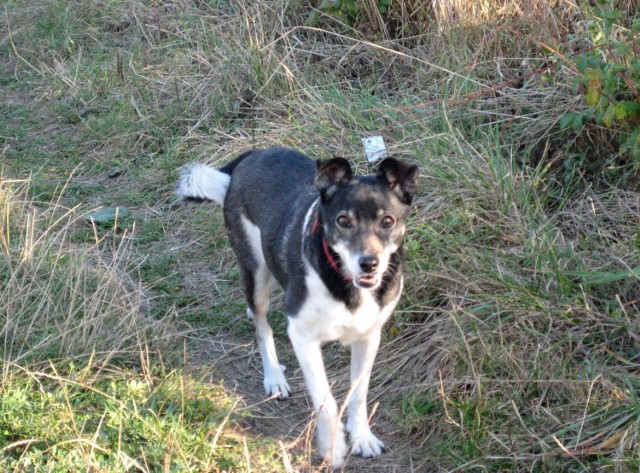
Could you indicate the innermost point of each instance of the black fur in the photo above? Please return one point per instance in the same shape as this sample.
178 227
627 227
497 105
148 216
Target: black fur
278 206
230 167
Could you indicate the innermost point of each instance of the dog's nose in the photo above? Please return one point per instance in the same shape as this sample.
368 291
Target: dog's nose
368 264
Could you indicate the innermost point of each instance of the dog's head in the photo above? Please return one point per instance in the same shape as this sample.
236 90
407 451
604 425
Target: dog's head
364 217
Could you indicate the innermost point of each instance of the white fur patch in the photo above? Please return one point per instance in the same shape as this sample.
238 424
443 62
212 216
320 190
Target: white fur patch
199 181
323 318
351 261
307 217
366 444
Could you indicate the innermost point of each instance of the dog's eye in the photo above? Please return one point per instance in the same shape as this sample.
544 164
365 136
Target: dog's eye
387 222
343 221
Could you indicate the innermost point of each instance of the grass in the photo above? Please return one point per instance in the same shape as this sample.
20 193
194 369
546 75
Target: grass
84 376
117 420
516 344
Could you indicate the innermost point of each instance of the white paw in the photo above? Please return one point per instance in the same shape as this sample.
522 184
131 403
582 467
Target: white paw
338 456
275 384
367 445
334 450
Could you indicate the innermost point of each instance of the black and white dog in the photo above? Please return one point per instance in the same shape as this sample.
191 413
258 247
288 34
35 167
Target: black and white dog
333 241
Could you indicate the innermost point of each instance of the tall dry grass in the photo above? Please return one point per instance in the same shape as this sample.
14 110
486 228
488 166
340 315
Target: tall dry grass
62 299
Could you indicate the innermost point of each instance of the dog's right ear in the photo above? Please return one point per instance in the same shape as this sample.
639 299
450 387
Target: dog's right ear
401 177
331 174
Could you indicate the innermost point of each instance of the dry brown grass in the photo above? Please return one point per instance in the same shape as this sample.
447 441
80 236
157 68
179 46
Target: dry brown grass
62 299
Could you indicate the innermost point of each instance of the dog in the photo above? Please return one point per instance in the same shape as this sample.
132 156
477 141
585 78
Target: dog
333 241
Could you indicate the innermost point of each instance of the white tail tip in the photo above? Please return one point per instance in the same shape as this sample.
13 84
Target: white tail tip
199 181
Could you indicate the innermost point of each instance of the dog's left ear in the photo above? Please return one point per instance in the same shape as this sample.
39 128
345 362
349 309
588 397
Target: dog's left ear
330 174
402 178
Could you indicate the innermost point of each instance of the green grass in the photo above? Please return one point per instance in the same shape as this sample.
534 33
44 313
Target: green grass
116 420
515 346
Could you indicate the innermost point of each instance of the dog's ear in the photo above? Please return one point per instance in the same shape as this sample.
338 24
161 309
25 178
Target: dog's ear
402 178
330 174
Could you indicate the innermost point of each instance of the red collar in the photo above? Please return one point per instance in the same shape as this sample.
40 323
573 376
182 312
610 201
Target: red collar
330 258
325 247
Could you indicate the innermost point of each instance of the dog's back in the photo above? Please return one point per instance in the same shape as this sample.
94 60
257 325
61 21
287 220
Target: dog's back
272 189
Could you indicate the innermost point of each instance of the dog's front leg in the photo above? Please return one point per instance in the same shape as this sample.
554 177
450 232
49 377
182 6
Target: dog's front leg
363 353
332 442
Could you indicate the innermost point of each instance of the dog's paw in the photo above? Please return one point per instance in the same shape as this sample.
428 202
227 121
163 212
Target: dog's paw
367 445
338 456
275 384
334 450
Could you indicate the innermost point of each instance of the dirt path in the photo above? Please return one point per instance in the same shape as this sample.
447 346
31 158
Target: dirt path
238 365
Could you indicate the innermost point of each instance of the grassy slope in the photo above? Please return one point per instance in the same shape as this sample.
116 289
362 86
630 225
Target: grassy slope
516 344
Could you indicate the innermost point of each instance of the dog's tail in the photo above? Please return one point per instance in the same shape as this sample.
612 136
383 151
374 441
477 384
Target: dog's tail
202 182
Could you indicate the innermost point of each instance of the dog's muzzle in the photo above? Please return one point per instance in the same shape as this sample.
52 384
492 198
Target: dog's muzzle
368 278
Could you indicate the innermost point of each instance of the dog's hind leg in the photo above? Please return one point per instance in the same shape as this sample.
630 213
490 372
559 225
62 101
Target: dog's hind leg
258 283
275 382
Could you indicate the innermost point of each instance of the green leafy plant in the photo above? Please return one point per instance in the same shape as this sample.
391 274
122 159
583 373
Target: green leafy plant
345 11
609 75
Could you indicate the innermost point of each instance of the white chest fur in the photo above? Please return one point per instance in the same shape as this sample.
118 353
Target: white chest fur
324 318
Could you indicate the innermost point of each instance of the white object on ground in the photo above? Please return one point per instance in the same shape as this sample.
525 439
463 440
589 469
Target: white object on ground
374 148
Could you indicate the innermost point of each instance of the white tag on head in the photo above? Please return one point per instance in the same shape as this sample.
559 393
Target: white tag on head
374 148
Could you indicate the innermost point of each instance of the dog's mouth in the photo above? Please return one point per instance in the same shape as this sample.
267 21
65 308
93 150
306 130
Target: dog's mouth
366 281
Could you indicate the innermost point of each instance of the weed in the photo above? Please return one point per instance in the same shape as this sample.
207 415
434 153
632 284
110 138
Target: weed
609 75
